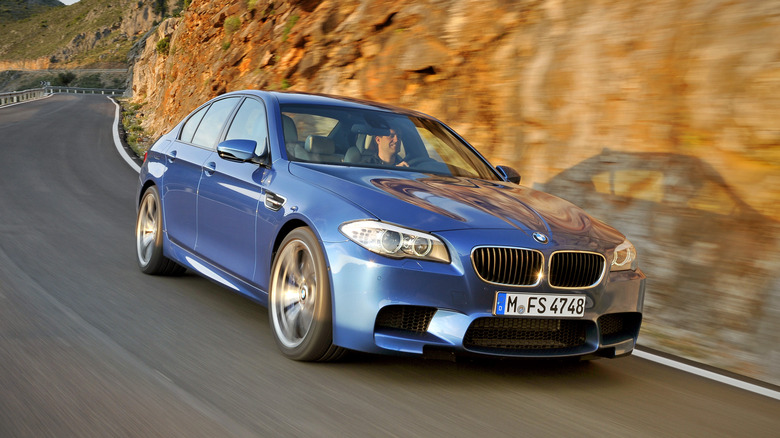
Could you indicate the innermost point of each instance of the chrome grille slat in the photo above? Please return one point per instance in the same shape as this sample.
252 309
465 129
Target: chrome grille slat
521 267
575 270
509 266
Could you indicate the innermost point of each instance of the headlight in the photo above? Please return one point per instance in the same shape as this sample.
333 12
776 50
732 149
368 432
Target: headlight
394 241
624 257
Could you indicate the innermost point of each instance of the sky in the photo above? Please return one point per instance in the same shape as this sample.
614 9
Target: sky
69 2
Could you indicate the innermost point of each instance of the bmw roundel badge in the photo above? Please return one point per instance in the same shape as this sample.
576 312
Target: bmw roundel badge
541 238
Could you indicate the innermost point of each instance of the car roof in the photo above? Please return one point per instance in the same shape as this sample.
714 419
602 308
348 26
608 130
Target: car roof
301 98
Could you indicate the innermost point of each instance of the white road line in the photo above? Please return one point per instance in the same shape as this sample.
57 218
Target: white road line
638 353
707 374
118 143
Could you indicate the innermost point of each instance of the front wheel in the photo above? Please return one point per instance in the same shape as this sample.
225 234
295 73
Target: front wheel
148 237
299 302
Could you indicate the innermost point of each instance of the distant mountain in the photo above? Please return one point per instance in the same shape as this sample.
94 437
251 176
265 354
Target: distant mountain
90 33
13 10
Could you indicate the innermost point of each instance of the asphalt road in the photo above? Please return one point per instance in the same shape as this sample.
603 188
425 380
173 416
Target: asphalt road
91 347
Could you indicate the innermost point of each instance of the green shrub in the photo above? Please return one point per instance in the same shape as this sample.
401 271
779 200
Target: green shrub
90 81
164 46
65 78
232 24
160 7
288 27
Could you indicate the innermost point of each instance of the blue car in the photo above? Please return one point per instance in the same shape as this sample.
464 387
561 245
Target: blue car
367 227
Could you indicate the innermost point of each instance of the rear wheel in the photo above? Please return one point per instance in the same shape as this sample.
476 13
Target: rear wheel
299 302
148 237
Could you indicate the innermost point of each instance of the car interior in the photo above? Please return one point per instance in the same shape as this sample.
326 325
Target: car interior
320 139
345 137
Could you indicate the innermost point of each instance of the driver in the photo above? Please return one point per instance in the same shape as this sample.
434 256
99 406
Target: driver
383 150
387 149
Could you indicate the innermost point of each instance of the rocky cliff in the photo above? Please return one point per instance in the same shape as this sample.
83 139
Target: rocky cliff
660 116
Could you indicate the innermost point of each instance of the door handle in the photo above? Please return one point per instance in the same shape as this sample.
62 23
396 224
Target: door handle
210 168
273 201
172 156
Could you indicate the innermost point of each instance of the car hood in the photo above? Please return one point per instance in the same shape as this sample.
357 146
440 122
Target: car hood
441 203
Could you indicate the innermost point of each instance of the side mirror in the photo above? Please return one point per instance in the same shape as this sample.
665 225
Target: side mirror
509 174
242 151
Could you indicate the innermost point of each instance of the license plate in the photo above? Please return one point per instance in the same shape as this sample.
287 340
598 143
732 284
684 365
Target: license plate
539 305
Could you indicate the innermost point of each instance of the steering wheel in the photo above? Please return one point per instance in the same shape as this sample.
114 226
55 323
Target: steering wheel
416 161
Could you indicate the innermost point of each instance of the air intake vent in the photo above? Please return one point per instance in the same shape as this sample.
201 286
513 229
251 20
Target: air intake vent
525 334
414 319
575 270
510 266
617 327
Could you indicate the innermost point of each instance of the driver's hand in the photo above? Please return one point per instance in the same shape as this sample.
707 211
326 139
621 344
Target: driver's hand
402 164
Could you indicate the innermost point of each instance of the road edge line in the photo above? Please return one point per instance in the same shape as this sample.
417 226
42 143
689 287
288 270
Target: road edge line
757 389
118 142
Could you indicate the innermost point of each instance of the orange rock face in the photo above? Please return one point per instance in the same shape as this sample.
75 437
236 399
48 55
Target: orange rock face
661 117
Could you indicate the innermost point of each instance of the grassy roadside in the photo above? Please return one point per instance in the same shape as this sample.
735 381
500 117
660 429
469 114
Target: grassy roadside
134 134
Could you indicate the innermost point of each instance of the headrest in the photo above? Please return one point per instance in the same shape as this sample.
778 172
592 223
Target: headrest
317 144
290 131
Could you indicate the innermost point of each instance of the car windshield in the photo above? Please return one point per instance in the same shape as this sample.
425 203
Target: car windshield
370 138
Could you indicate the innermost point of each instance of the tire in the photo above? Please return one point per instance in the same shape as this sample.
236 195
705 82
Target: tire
299 300
148 237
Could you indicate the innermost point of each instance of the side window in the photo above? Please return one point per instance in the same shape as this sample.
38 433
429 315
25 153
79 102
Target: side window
188 130
249 123
212 123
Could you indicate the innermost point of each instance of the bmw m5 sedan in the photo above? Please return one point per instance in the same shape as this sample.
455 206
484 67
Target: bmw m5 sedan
367 227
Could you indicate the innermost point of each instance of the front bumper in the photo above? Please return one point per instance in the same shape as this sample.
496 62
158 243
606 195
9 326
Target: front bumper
388 306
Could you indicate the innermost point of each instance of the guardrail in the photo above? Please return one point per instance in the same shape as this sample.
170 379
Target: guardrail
78 90
20 96
37 93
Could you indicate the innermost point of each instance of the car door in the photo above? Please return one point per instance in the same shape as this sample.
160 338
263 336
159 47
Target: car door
229 195
196 142
184 161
